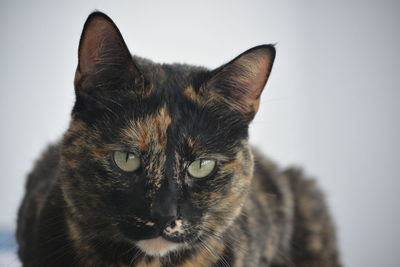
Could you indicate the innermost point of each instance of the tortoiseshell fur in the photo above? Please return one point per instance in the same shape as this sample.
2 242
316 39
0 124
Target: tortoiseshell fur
80 210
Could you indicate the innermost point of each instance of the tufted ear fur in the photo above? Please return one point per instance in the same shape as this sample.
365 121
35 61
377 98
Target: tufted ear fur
240 82
104 59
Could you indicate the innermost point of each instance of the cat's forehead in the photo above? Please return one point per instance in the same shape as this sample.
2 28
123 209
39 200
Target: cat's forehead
167 80
175 111
184 130
149 130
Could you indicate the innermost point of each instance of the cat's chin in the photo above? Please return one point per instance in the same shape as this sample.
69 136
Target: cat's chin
157 246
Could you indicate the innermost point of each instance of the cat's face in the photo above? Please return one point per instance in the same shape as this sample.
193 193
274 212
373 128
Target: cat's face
157 155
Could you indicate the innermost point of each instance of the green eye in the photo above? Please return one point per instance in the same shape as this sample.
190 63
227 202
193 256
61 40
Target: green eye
126 161
201 168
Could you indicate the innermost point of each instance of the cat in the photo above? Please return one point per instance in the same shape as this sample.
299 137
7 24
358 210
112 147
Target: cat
155 169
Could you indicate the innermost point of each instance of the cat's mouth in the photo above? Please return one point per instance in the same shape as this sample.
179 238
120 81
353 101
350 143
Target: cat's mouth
158 246
156 242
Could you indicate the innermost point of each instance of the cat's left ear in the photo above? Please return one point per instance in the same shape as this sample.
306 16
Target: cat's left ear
240 82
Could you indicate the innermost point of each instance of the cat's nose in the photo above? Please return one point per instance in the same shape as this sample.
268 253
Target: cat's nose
164 208
164 215
165 222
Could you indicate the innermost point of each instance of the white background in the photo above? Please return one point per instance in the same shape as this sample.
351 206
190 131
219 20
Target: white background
331 105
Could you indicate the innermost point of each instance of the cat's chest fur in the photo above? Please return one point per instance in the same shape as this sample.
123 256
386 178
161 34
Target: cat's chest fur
155 169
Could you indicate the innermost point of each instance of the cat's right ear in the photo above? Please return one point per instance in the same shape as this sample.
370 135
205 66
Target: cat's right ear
105 63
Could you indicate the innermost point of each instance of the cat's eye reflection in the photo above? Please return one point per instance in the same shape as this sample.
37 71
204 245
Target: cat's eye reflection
201 168
126 161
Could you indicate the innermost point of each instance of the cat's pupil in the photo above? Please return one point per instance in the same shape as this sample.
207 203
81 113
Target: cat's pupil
129 156
201 168
126 161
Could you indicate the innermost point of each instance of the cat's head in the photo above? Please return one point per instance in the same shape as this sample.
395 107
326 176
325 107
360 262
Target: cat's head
157 155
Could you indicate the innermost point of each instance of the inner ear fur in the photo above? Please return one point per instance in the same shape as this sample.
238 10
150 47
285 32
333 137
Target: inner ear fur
103 57
240 82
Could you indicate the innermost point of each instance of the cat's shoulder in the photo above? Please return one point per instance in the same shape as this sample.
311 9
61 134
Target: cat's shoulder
266 169
40 179
291 180
45 167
